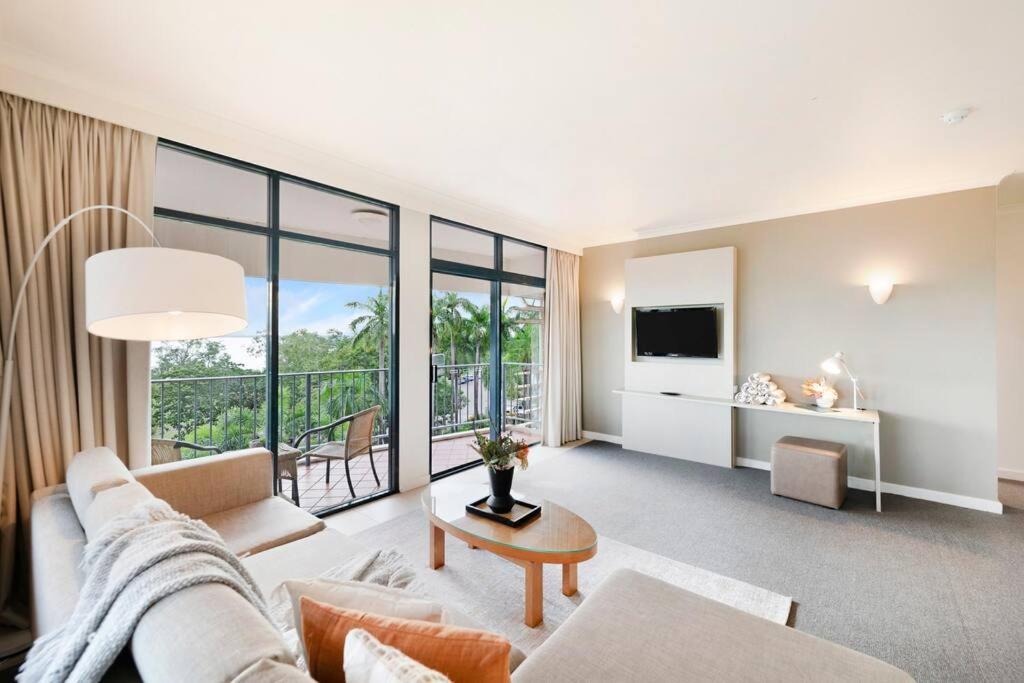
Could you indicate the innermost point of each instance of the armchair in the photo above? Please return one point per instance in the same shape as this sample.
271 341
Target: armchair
169 450
358 441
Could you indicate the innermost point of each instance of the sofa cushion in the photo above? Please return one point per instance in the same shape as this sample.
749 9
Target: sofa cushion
305 558
57 544
461 654
361 596
267 523
636 627
92 471
204 633
111 503
203 486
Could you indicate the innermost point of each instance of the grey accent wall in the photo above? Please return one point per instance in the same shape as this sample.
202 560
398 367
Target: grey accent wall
926 359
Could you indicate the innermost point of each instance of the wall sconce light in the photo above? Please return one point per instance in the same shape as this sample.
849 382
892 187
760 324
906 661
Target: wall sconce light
617 301
881 290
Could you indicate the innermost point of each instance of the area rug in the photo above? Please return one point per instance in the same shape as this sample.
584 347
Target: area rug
490 589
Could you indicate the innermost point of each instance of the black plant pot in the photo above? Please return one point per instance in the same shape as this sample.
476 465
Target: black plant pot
501 500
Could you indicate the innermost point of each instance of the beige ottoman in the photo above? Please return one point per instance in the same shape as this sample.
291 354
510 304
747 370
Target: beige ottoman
809 470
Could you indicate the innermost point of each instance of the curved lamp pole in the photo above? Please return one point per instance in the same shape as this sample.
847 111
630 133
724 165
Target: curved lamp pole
180 312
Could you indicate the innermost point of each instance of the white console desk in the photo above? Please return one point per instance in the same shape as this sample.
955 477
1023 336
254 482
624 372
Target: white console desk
849 414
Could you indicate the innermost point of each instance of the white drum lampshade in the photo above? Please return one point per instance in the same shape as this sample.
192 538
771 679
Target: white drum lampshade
157 293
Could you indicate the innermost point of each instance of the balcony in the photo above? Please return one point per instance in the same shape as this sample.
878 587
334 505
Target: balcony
197 416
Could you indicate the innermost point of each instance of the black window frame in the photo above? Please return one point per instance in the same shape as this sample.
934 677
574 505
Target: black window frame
496 276
274 234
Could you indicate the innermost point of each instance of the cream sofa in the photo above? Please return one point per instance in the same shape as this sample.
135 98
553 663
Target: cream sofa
203 633
633 627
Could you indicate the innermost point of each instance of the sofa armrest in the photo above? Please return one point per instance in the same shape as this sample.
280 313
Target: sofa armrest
635 627
214 483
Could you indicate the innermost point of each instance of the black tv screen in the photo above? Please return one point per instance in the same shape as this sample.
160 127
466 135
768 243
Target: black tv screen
676 332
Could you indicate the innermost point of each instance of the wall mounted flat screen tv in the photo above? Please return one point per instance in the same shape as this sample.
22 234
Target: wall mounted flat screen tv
685 332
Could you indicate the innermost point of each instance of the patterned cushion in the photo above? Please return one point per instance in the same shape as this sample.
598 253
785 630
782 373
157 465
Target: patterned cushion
368 661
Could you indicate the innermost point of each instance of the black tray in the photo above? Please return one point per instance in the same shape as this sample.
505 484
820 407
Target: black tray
521 513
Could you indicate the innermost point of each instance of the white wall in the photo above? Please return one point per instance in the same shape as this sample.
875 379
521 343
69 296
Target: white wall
414 350
209 132
926 359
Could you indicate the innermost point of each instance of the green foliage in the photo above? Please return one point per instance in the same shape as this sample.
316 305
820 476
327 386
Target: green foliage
194 358
502 453
231 413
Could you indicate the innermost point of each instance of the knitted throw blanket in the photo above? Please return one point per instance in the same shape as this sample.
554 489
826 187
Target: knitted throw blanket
138 559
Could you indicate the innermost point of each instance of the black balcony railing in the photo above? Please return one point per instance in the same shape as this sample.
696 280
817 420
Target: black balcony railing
230 412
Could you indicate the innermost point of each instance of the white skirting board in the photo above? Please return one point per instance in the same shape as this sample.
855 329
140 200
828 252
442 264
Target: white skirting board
901 490
598 436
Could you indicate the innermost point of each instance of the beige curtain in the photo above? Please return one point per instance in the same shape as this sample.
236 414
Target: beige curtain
563 402
70 387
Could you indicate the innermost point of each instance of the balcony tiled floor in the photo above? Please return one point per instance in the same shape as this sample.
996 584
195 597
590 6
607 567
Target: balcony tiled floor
449 453
316 494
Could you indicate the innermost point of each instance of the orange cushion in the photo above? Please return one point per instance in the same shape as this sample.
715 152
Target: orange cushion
461 654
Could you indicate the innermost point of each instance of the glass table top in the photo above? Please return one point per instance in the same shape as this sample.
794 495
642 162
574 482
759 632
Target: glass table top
555 530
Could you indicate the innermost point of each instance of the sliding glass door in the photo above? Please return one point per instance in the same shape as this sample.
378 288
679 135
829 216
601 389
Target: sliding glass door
461 353
487 308
313 375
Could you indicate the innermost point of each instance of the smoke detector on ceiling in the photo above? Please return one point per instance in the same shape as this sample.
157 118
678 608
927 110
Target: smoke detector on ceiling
951 118
370 216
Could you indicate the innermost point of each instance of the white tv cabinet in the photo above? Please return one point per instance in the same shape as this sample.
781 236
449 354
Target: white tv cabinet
871 417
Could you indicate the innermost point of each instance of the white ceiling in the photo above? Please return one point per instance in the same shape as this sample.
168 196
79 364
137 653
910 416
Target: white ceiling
587 120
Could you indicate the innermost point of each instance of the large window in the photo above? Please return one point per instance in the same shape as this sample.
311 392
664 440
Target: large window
487 317
313 374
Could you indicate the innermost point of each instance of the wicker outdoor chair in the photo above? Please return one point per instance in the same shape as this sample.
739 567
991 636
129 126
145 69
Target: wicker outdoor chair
169 450
358 441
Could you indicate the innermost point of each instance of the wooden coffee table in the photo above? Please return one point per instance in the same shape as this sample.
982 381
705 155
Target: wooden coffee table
557 536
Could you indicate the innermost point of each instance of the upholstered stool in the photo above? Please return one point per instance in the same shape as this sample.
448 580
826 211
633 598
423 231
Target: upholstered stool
809 470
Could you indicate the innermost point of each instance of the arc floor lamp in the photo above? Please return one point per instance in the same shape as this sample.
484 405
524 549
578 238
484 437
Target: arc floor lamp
141 294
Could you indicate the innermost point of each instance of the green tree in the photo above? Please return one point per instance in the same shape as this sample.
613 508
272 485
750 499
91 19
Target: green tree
478 332
449 322
374 326
179 405
194 358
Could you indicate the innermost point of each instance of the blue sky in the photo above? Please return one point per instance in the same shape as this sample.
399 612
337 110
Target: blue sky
314 306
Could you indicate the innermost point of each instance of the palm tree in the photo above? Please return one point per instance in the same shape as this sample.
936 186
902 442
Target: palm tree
449 323
374 324
478 329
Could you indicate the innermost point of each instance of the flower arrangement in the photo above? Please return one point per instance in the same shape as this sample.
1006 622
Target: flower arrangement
823 393
502 453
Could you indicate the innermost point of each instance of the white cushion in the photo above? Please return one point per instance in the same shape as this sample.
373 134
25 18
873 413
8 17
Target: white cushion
369 661
92 471
113 502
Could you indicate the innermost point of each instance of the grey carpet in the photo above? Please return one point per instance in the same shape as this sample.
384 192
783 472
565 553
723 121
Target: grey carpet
490 589
933 589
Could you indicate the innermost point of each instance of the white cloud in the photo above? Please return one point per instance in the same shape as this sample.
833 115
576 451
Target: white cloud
238 349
